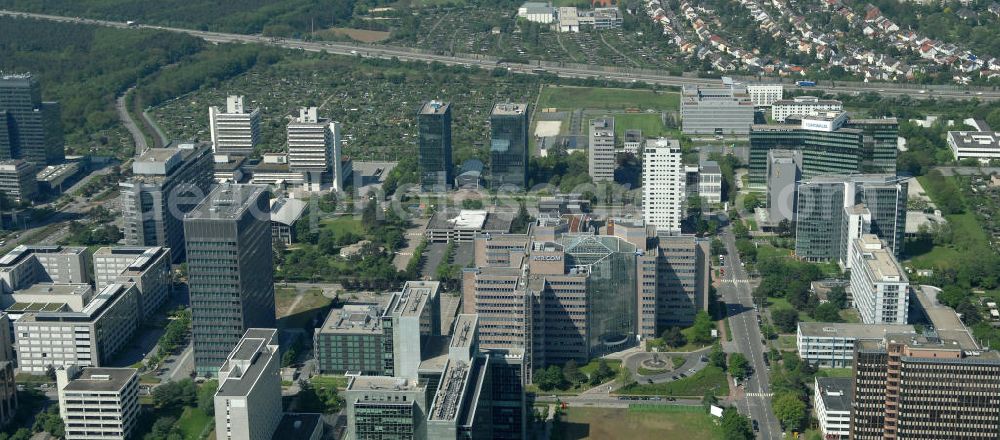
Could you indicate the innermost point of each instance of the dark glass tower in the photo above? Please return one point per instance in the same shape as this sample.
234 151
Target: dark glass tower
509 147
228 239
32 130
434 146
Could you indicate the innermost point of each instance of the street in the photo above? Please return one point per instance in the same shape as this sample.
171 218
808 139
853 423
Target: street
736 291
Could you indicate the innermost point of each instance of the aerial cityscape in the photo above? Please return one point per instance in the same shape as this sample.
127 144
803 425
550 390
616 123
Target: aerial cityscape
499 219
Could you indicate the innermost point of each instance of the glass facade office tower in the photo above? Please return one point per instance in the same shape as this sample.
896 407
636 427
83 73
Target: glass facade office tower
819 218
509 147
31 129
611 287
228 239
434 146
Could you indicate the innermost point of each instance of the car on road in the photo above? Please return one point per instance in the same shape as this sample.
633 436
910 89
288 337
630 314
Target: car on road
682 375
704 359
692 370
756 426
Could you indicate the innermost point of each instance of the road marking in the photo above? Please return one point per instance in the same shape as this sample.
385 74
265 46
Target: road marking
760 394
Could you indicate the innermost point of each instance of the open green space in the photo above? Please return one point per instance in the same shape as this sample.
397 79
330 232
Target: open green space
651 125
968 237
193 423
781 303
606 98
835 372
338 382
639 423
298 310
711 378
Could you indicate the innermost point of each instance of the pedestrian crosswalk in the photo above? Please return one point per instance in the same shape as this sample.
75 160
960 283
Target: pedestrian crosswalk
738 281
760 394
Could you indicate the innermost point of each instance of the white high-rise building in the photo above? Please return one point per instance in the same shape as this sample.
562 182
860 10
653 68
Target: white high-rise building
98 403
314 149
248 402
601 158
663 185
763 95
235 131
878 282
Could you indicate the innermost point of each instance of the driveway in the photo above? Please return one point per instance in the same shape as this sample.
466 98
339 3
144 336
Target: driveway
692 364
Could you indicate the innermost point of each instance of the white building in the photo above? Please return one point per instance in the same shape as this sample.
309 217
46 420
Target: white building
147 267
803 106
663 185
878 282
314 149
29 264
632 141
537 12
710 182
248 402
237 130
98 403
764 95
833 401
981 145
569 19
601 157
831 345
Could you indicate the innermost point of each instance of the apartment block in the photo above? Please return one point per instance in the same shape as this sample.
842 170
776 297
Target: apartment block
879 284
509 148
831 345
91 336
235 130
146 267
248 401
230 270
601 155
314 149
925 386
26 265
803 106
166 184
434 162
17 180
663 185
98 403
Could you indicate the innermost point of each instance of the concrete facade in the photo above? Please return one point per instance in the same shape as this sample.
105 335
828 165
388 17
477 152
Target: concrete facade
98 403
146 267
235 130
663 201
17 180
248 401
601 153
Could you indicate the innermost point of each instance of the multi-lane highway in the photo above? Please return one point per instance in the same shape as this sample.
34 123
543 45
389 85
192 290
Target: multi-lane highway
736 291
607 72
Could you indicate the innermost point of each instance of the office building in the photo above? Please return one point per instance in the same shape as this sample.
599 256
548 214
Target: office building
537 12
831 345
803 106
832 402
26 265
926 386
607 18
601 156
509 147
46 297
681 281
235 130
314 150
826 214
350 341
98 403
29 128
632 141
91 336
830 142
248 401
465 225
470 174
983 146
783 174
879 284
285 214
434 146
229 270
6 344
764 95
166 183
146 267
710 182
722 110
17 180
663 204
8 390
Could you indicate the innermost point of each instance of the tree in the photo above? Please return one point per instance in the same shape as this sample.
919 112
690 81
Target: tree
970 314
838 297
739 367
718 247
717 357
790 410
735 426
50 422
826 312
206 396
674 338
787 320
164 428
173 395
702 328
572 373
602 373
709 399
550 378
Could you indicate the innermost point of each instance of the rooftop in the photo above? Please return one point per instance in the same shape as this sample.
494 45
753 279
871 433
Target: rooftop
54 289
20 252
709 167
879 259
435 354
975 139
246 363
353 319
381 383
287 211
508 109
853 331
101 380
945 321
837 392
142 255
451 391
226 201
434 107
464 330
412 299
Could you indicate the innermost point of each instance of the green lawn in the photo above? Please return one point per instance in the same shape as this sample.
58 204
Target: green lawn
835 372
651 125
591 367
781 303
640 423
708 379
338 382
344 224
850 316
606 98
193 423
969 237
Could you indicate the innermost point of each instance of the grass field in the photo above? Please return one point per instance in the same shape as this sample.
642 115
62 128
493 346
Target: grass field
969 237
338 382
344 224
193 423
604 423
297 315
603 98
710 378
835 372
651 125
